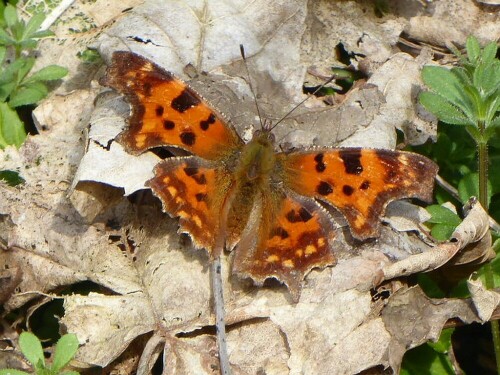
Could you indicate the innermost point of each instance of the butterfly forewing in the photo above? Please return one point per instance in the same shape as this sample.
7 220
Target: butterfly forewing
360 182
165 111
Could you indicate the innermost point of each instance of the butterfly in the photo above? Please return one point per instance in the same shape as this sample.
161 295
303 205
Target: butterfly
268 206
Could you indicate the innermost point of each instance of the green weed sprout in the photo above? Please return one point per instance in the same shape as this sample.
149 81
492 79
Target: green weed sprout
31 347
17 86
469 96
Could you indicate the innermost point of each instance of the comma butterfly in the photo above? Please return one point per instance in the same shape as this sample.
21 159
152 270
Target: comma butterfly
267 205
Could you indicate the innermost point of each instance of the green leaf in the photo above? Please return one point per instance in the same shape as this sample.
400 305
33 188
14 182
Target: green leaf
442 109
32 348
462 74
10 15
12 372
442 232
89 55
42 34
28 43
70 373
29 94
443 345
430 286
6 89
474 102
49 73
495 268
11 178
11 127
25 68
442 215
489 52
473 49
10 73
5 38
469 187
445 221
424 360
33 25
487 78
3 51
446 84
493 104
66 349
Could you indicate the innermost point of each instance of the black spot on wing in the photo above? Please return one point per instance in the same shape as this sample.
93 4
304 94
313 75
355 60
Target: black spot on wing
184 101
168 125
281 232
324 188
190 171
205 124
320 165
347 190
147 89
159 110
364 185
188 138
301 216
200 179
194 173
201 197
352 161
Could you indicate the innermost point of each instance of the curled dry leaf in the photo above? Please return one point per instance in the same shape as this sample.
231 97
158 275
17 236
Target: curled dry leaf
474 231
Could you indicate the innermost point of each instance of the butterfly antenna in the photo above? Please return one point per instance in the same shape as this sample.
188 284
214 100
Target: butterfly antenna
242 51
303 101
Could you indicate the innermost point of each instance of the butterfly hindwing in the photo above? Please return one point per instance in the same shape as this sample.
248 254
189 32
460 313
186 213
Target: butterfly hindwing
165 111
360 182
294 235
193 190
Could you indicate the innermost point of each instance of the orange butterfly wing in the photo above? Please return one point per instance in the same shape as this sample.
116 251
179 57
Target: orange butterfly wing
193 190
360 182
290 236
165 111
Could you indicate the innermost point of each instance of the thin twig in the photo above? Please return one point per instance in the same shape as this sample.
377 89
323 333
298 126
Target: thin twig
56 13
220 322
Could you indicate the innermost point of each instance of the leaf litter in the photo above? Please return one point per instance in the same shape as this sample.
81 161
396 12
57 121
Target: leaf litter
158 289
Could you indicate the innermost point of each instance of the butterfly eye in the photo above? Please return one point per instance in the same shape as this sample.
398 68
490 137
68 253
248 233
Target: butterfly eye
271 137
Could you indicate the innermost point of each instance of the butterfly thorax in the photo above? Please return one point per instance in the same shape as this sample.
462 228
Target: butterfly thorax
257 159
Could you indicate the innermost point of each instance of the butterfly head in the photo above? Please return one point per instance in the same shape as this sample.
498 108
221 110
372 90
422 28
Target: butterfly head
258 157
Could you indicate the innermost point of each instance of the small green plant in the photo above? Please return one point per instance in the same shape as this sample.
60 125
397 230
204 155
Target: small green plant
443 222
430 358
18 86
31 347
466 100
